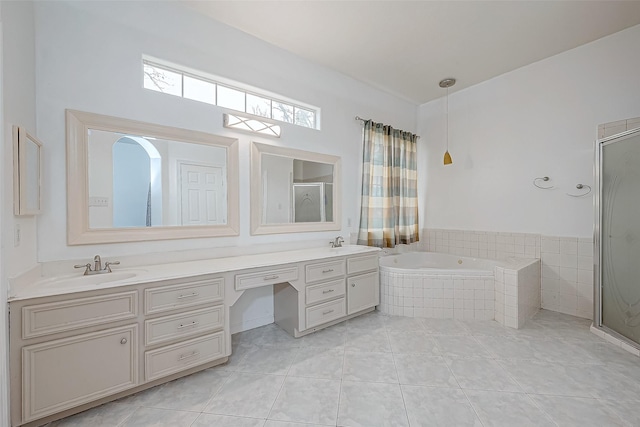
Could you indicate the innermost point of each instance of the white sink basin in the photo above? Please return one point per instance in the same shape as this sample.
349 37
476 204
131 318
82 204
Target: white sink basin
94 279
349 249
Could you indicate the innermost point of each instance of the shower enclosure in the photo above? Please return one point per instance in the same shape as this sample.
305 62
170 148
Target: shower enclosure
617 236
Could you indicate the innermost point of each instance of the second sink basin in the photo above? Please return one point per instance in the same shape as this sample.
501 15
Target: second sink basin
349 249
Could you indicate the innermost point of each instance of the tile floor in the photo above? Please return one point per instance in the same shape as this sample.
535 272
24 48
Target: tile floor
379 370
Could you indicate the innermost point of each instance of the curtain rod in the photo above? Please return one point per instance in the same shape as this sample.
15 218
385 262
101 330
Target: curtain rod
365 120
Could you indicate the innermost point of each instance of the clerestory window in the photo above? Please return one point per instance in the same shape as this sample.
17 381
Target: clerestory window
199 86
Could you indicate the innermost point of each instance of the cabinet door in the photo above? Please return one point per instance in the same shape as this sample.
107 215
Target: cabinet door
61 374
362 292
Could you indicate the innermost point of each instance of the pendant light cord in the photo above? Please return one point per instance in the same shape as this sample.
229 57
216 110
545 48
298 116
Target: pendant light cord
447 102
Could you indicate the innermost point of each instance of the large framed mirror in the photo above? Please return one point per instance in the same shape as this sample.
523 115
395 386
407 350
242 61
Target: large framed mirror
294 190
133 181
27 172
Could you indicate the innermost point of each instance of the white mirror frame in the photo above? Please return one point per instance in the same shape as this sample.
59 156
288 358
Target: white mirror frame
21 170
78 231
257 227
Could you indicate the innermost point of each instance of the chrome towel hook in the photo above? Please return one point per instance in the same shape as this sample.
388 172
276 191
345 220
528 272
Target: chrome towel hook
580 187
544 179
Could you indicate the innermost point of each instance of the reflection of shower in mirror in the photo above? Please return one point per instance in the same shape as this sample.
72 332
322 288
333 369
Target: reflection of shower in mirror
293 190
312 202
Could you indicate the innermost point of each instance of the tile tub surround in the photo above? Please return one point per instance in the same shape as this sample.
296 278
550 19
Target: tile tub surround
517 294
566 269
473 373
437 296
567 275
482 244
511 295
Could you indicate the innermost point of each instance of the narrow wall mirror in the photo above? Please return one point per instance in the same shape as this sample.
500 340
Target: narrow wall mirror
294 190
133 181
27 172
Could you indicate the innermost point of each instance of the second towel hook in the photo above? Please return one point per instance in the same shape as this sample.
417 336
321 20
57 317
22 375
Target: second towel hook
580 187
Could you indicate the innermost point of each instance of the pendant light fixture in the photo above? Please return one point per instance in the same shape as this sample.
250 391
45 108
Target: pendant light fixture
447 83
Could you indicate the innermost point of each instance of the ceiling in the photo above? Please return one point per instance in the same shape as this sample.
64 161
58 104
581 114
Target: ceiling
407 47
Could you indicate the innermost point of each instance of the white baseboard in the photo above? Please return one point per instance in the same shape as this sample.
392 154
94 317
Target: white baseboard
245 325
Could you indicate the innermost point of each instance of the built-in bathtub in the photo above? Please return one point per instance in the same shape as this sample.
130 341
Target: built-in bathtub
435 285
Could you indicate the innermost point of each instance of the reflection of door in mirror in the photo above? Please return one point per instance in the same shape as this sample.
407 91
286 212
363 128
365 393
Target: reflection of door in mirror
141 181
201 195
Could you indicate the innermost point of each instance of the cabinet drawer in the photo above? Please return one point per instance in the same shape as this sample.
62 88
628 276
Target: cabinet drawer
324 271
165 298
324 291
363 292
174 358
265 277
183 325
362 263
62 374
326 312
54 317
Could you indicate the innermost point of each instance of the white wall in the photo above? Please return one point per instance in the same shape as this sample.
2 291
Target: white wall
19 109
89 58
17 87
4 327
89 55
539 120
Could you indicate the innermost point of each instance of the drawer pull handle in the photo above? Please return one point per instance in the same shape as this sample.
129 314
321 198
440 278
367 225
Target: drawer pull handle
188 325
275 276
328 291
328 271
324 313
123 341
195 294
353 285
189 356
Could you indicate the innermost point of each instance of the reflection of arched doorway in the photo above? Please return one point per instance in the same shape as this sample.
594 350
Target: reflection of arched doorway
137 183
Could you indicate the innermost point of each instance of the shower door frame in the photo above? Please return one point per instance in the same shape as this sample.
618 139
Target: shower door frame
597 235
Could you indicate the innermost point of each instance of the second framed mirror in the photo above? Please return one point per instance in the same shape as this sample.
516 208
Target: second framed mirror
294 190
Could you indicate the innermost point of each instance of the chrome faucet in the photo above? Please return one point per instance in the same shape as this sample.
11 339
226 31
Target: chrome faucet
98 263
337 243
97 268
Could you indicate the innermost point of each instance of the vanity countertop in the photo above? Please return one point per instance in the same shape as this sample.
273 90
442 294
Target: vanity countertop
39 286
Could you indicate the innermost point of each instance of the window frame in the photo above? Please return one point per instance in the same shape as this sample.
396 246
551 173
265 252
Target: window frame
247 90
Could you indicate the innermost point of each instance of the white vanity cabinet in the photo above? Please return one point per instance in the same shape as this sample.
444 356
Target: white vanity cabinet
80 345
331 291
70 352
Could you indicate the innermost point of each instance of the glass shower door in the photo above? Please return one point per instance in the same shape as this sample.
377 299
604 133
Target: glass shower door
619 236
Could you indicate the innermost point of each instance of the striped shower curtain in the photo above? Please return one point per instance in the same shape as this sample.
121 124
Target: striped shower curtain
389 208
